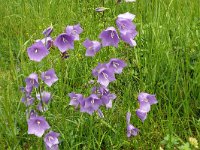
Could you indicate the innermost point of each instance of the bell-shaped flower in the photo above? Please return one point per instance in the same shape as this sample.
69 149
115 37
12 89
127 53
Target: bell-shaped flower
131 130
116 65
148 98
92 47
37 125
31 81
48 31
74 31
49 77
125 25
109 37
37 51
91 104
28 100
64 42
104 74
75 99
51 139
47 41
128 38
45 96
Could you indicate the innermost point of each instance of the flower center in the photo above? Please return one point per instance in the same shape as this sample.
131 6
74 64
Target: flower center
50 138
74 32
115 64
74 98
92 101
64 40
32 81
123 26
90 48
47 77
38 122
36 50
105 75
112 34
146 100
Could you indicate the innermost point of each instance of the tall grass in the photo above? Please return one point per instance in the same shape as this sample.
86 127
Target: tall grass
165 62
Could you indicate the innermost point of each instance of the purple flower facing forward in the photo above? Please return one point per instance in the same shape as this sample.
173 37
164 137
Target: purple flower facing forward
76 99
37 51
51 139
49 77
91 104
28 100
37 125
109 37
131 130
46 97
126 15
48 42
125 26
116 65
74 31
48 31
64 42
92 47
105 75
31 81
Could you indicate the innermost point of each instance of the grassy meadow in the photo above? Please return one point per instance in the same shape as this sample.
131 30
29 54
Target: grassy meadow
165 62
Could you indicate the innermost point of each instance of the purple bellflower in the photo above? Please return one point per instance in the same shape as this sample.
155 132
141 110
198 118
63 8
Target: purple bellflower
49 77
91 104
37 125
46 97
109 37
37 51
64 42
131 130
105 75
31 81
48 31
129 38
74 31
28 100
33 114
92 47
145 100
116 65
51 139
76 99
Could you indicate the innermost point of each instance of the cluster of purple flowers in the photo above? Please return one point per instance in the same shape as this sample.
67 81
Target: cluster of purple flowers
100 95
37 125
145 100
64 42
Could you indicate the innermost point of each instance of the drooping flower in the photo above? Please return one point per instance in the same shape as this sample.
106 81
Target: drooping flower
109 37
117 65
48 31
128 38
104 74
49 77
75 99
126 15
41 107
131 130
37 126
47 41
28 100
64 42
90 104
51 139
74 31
46 96
92 47
31 81
37 51
145 100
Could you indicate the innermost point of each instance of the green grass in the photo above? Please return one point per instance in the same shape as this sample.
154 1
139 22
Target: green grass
166 61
